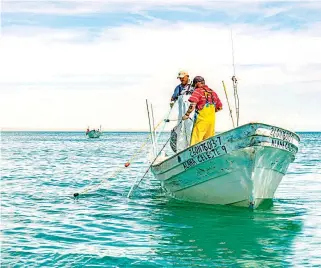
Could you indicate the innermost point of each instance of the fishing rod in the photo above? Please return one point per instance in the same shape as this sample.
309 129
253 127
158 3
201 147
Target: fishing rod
234 80
151 107
152 133
228 103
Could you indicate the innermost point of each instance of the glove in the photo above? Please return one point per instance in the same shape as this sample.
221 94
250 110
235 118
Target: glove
171 104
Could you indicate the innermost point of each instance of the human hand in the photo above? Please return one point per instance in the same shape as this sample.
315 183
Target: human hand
171 104
185 117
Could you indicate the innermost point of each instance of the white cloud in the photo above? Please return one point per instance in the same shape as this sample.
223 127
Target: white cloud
49 80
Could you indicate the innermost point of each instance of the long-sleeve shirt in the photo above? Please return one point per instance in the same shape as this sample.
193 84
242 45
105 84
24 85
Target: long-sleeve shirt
203 95
180 90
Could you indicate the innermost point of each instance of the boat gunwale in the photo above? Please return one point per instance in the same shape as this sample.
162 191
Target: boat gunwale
223 133
251 146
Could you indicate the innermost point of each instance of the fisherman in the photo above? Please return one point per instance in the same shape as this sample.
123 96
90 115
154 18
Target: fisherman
206 103
181 134
184 88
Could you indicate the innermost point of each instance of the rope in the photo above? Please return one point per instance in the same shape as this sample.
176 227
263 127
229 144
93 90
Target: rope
170 120
136 184
166 121
127 164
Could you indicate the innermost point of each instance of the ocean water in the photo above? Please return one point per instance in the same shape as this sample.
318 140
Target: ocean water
42 225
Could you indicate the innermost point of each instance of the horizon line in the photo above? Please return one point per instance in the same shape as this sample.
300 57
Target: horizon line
115 130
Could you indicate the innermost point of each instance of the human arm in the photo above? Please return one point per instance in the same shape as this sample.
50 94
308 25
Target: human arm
176 93
174 96
190 109
194 99
218 103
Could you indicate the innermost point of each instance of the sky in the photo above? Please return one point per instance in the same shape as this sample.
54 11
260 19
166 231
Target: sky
66 65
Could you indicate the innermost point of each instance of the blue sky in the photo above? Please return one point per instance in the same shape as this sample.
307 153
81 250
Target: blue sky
61 14
58 57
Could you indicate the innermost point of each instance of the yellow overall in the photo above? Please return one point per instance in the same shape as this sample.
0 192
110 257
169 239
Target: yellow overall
204 122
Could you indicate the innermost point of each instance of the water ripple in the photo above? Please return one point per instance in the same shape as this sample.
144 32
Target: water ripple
42 225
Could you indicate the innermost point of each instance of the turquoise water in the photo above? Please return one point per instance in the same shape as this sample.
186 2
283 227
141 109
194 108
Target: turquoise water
42 225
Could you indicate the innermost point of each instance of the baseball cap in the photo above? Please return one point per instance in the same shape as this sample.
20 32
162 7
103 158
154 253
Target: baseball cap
181 74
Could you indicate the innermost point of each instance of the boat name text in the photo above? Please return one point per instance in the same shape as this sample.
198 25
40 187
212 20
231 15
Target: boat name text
282 134
284 145
207 155
205 147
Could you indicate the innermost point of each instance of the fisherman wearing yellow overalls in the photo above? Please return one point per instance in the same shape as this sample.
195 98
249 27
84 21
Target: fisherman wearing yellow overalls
206 103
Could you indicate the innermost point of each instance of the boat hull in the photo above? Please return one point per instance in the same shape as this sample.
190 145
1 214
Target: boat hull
94 134
241 168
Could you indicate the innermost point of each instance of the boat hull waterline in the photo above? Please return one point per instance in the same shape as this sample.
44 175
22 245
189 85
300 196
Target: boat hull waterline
242 167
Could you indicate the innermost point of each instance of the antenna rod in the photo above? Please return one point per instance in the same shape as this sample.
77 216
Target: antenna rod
233 52
236 97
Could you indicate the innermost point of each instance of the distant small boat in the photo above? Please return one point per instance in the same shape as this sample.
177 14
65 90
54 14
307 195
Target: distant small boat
93 133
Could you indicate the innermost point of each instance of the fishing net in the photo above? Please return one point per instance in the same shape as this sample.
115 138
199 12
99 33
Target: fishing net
181 136
173 140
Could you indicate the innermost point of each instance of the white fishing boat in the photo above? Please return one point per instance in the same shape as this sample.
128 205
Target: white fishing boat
93 133
241 167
